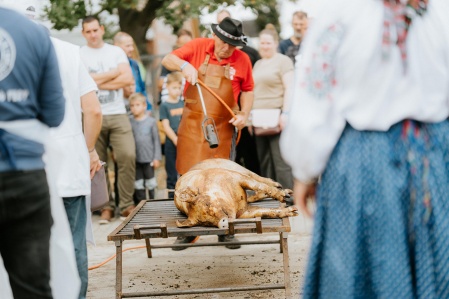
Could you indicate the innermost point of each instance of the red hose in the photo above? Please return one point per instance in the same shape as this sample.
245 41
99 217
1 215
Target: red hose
112 257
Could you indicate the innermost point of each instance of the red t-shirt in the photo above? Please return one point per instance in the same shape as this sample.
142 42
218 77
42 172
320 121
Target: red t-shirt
196 50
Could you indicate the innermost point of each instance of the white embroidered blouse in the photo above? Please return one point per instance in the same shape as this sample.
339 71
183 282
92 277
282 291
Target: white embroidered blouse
346 76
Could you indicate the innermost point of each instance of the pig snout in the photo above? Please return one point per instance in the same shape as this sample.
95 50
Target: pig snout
223 223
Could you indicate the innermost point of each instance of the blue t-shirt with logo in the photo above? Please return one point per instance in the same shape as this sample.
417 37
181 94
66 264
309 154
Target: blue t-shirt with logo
30 88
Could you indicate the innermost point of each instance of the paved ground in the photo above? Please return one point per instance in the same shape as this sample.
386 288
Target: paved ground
201 267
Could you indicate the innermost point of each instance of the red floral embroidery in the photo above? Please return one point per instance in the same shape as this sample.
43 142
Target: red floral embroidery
320 77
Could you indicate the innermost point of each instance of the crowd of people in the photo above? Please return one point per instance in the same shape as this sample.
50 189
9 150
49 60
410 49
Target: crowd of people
109 68
351 112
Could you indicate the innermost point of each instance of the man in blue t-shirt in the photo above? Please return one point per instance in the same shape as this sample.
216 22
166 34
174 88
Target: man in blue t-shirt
31 100
290 46
126 42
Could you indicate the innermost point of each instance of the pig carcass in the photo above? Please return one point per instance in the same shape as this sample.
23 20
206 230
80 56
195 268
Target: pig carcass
214 190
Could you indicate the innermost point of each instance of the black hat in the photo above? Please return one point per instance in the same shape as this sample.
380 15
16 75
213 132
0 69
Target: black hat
230 31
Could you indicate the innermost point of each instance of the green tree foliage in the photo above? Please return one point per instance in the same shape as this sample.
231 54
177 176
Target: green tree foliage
267 13
135 16
65 14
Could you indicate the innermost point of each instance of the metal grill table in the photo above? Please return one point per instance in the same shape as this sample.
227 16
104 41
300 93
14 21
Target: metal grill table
157 219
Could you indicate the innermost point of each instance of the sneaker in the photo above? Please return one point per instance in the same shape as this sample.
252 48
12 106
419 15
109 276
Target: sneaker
184 240
126 212
229 238
106 216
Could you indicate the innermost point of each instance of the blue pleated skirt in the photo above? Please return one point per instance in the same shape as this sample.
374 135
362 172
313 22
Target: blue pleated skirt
382 220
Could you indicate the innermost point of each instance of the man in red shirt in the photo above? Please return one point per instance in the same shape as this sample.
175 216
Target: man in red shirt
226 71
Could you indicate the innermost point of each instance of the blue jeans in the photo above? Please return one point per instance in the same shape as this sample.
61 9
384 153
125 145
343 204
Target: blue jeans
170 164
75 208
25 226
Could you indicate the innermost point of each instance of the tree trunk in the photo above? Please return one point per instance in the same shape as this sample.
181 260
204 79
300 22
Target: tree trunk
136 23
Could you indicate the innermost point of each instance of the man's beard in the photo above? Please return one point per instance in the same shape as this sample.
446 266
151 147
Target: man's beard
297 35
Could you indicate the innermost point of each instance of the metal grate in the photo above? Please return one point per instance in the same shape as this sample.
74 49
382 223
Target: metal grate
156 219
164 212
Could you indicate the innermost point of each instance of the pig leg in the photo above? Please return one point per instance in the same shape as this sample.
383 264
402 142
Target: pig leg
279 195
253 212
244 171
232 166
266 181
262 190
186 223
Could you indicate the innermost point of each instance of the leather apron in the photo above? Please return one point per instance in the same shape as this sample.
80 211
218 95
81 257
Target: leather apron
192 146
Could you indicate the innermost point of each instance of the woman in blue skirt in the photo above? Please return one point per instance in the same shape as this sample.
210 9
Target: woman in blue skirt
369 119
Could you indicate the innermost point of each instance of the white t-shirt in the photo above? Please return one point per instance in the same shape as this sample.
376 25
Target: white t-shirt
102 60
74 172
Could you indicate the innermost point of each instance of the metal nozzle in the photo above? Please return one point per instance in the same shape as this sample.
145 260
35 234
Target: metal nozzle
211 136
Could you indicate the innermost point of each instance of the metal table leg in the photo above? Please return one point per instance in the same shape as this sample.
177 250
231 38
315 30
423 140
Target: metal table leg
281 243
148 244
288 288
118 270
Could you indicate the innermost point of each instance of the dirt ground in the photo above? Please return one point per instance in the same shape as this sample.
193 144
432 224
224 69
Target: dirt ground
199 267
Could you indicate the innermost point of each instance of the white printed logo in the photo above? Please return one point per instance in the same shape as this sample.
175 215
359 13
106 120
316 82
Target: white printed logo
232 73
7 54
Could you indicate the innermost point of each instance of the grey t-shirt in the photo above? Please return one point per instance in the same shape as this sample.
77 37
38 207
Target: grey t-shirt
146 135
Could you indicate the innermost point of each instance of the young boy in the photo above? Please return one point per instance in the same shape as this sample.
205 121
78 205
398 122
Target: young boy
148 147
170 113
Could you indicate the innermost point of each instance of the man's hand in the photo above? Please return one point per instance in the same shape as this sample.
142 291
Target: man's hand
129 90
190 73
156 163
302 193
283 120
95 163
101 78
124 79
239 120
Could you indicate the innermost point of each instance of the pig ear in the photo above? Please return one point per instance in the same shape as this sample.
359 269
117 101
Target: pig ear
185 223
186 194
188 199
